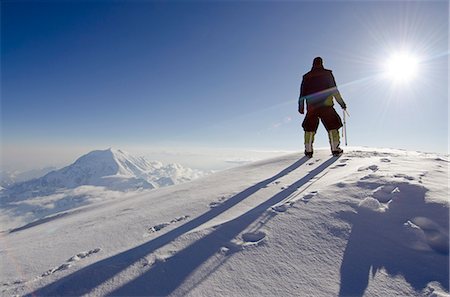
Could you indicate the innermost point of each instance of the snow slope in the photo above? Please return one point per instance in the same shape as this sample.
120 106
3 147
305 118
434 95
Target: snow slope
370 223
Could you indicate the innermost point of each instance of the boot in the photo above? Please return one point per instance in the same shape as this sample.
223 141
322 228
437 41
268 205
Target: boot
309 139
333 136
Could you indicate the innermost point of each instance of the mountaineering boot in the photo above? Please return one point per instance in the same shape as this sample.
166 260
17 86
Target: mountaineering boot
337 152
309 154
309 139
333 136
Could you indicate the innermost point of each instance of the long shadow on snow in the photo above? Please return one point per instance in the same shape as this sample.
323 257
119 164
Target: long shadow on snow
165 277
88 278
375 242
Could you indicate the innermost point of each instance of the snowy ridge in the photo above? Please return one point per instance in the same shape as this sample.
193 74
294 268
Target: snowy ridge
369 223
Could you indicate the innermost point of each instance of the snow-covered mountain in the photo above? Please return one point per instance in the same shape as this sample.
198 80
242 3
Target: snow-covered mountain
369 223
112 169
97 177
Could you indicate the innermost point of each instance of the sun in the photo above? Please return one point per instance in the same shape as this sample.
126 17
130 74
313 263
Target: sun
401 67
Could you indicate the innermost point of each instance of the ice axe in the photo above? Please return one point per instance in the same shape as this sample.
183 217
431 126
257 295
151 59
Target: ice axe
345 112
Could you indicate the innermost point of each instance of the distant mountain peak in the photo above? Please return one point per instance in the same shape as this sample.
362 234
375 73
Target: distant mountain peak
111 168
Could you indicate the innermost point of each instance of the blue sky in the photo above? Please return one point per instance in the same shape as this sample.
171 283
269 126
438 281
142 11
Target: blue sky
95 74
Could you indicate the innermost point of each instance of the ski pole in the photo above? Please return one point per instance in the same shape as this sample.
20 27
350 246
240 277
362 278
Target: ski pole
345 126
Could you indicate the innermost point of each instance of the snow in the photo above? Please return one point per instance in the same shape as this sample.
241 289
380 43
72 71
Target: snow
98 176
369 223
111 168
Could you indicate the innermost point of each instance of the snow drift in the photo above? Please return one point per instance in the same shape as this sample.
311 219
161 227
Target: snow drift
369 223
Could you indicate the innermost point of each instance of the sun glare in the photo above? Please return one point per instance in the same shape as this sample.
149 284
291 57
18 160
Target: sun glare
401 67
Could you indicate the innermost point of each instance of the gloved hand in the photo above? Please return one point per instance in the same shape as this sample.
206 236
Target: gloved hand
344 106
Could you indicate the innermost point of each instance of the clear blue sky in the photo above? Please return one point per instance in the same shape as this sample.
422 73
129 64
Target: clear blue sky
217 74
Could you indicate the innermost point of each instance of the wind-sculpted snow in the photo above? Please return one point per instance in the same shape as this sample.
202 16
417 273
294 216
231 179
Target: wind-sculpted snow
370 223
400 234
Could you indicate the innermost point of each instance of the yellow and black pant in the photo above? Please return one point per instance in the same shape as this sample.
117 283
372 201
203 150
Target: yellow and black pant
327 114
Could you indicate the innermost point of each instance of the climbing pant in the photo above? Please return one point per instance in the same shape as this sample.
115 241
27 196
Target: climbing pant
309 139
329 117
333 136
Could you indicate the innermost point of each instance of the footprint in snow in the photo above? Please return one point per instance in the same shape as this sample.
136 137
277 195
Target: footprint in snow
161 226
179 219
371 167
82 255
313 162
309 196
422 175
339 165
217 203
16 282
253 237
401 175
341 185
56 269
214 204
282 208
69 262
248 239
